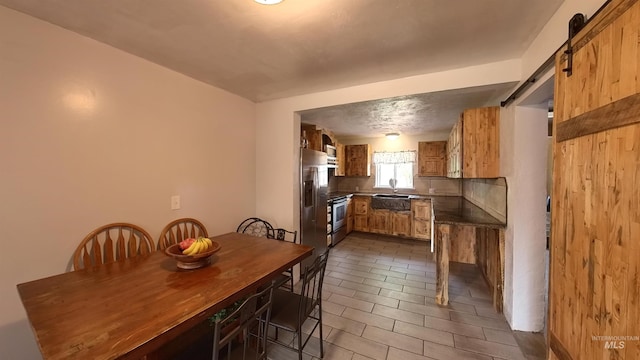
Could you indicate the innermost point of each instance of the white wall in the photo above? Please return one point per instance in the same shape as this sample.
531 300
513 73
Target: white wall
525 238
91 135
555 33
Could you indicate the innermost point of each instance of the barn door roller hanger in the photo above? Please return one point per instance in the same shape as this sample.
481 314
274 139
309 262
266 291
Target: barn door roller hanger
576 24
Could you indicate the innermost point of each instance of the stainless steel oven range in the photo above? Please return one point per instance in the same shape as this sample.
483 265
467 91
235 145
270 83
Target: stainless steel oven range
338 219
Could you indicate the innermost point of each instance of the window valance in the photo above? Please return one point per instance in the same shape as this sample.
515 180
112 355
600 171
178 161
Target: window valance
395 157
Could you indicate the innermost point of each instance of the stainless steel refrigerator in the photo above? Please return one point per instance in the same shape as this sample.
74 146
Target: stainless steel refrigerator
314 181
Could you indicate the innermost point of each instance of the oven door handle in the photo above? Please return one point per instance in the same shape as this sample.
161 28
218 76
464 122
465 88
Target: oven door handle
338 202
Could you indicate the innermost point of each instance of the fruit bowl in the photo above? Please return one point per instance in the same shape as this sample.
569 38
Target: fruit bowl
194 261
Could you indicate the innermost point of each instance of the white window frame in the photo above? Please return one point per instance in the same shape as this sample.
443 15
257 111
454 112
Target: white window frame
384 183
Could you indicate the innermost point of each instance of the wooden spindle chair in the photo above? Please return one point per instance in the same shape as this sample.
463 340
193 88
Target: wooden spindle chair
180 229
112 243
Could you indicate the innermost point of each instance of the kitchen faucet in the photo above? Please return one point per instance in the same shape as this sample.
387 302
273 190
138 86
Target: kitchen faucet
392 183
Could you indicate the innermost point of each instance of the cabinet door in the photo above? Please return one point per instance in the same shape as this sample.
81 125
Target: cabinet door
432 158
314 137
421 209
358 160
431 167
481 143
380 222
361 223
360 205
454 150
340 159
421 224
401 223
421 229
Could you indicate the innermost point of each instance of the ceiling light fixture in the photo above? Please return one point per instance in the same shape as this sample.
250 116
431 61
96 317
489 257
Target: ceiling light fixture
268 2
392 136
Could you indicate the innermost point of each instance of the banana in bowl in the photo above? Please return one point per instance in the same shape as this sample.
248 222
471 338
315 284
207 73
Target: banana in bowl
196 256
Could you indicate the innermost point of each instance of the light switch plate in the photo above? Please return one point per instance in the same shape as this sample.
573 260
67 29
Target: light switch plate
175 202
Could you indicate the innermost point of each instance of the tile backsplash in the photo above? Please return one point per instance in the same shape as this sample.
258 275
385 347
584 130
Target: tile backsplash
488 194
422 185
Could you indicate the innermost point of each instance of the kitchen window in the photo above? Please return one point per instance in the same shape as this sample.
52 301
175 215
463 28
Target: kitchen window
394 170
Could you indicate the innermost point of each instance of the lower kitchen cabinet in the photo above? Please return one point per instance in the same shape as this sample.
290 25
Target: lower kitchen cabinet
361 213
421 224
361 223
380 221
401 223
415 223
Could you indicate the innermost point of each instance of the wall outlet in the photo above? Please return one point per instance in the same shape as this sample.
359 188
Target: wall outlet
175 202
357 188
432 191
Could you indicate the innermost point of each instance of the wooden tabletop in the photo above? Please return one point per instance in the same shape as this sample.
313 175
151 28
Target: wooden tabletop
126 310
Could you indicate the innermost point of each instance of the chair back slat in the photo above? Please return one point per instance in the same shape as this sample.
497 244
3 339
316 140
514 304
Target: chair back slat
143 249
98 247
108 250
192 232
178 233
97 253
121 249
86 257
132 245
178 230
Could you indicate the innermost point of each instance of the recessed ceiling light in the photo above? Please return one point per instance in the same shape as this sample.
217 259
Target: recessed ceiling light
392 136
268 2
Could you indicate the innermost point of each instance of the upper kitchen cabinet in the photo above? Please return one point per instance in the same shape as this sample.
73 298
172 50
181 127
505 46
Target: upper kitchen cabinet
313 136
340 159
432 158
454 151
358 160
317 138
473 150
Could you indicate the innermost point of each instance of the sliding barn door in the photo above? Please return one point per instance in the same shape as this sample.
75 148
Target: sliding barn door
594 303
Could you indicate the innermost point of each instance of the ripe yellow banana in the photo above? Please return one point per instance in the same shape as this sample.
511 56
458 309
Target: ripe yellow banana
191 250
199 248
208 242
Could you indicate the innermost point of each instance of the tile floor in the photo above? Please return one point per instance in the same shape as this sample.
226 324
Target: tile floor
378 303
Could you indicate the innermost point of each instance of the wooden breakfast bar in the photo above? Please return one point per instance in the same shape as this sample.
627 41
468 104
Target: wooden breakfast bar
465 233
130 309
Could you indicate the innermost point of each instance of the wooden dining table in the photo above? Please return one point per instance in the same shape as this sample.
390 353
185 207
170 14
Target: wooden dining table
129 309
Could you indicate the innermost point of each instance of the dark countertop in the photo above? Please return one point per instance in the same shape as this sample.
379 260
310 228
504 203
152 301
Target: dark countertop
460 211
337 194
454 210
411 196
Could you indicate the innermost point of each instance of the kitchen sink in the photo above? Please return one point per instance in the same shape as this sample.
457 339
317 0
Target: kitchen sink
397 202
392 196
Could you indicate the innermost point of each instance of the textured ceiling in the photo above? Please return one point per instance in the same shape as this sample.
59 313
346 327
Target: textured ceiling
303 46
409 115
